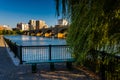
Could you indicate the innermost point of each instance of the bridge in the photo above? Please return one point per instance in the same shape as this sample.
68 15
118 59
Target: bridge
57 32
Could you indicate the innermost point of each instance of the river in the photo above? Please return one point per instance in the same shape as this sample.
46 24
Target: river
35 40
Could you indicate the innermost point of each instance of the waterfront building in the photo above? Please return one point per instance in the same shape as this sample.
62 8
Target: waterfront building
22 26
62 22
40 24
37 24
32 24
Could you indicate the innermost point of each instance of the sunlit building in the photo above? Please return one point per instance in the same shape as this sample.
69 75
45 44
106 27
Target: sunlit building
62 22
32 24
22 26
41 24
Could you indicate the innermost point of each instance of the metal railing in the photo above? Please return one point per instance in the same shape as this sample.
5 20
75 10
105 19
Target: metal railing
39 53
13 46
45 52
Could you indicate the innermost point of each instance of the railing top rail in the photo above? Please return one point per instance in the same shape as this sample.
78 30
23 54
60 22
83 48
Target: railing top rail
41 45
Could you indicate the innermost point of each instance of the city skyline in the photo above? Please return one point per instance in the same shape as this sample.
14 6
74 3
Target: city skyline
14 11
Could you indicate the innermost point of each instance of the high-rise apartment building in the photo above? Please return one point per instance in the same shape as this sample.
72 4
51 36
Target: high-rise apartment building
40 24
32 24
37 24
22 26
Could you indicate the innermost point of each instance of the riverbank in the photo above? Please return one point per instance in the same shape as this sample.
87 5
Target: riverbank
8 71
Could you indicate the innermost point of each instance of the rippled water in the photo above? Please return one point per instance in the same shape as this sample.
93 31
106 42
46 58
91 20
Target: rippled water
35 40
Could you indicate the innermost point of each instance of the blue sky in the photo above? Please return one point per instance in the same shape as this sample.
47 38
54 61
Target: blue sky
14 11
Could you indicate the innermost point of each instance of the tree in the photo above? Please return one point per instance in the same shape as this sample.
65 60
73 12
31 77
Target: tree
94 25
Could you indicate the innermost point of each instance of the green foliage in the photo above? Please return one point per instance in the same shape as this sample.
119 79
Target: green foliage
9 32
95 24
94 32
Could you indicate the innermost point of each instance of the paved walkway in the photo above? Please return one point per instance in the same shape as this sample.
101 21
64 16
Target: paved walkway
8 71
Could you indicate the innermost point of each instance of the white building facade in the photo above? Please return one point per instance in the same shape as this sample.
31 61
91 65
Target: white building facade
62 22
32 24
22 26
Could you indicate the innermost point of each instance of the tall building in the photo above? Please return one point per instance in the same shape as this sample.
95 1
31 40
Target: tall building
22 26
40 24
37 24
62 22
32 24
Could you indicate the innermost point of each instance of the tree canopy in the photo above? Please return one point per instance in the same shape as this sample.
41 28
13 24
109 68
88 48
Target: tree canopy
94 25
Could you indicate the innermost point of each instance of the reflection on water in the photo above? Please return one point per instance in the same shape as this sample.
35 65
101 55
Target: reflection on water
35 40
25 38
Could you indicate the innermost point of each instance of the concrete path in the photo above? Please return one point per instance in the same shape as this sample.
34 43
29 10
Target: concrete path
8 71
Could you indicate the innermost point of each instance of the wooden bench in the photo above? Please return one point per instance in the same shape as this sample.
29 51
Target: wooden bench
35 62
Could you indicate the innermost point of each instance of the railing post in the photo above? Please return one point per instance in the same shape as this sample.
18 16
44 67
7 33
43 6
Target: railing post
15 52
34 68
49 52
51 63
21 54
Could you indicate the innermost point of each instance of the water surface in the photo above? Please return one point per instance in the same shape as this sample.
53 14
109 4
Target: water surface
35 40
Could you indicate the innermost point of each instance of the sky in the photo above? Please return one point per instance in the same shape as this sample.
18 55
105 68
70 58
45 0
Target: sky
15 11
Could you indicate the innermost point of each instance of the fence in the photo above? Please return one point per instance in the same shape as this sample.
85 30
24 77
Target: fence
43 52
